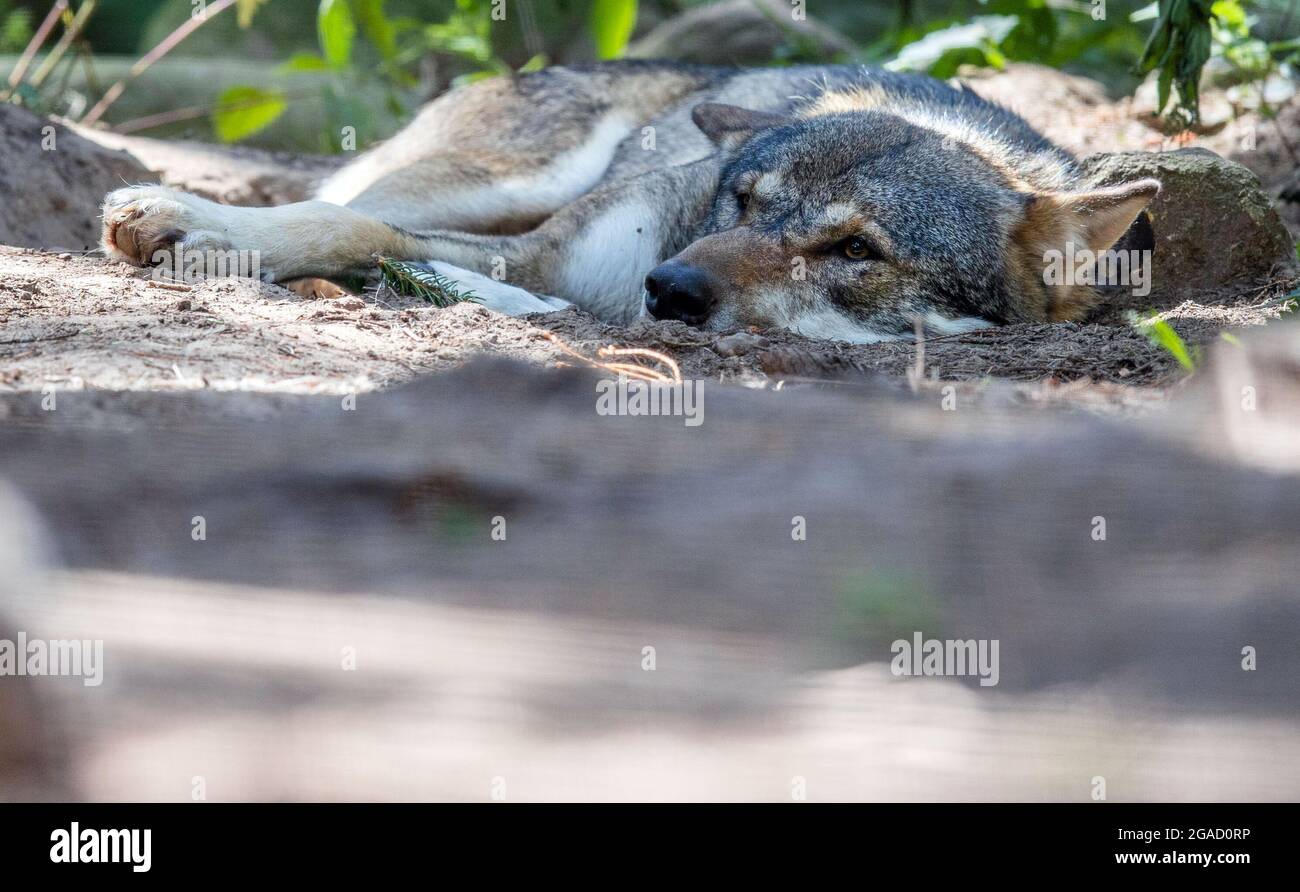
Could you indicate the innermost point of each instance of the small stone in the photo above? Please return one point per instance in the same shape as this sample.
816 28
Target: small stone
738 343
350 303
65 256
184 304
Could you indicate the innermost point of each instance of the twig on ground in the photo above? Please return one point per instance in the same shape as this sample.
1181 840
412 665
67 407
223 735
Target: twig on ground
168 286
624 369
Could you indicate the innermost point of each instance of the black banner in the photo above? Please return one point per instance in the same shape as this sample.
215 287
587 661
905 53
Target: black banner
219 841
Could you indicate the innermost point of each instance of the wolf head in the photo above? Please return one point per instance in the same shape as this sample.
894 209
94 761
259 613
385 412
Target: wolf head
866 217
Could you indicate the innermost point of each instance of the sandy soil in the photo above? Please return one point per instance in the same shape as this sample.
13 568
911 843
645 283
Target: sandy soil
73 322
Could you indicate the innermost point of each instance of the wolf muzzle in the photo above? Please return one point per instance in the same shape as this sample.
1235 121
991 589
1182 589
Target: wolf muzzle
677 290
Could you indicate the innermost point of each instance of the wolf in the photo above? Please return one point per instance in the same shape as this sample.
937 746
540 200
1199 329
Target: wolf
840 202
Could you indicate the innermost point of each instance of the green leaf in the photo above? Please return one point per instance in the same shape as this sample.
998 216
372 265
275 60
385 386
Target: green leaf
337 31
303 62
243 111
377 26
16 29
536 63
611 23
1229 12
1162 334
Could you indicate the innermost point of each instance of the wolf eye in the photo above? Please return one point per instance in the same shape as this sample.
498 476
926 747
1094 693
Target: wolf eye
856 248
742 200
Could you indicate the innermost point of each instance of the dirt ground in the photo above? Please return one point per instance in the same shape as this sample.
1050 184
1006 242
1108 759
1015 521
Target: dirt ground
73 322
521 658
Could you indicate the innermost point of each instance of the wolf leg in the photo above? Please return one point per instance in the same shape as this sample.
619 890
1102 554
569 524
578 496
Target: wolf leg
594 252
504 154
148 225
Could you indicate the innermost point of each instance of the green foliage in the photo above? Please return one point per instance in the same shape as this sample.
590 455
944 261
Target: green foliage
338 31
1178 48
1162 334
611 23
941 52
304 62
1049 33
243 111
418 280
378 47
15 28
1231 30
466 34
378 28
1184 35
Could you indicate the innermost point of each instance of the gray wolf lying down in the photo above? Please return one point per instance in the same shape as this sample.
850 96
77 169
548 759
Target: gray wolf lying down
836 201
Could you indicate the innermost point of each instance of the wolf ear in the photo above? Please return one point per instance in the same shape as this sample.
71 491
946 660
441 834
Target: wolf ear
730 125
1093 221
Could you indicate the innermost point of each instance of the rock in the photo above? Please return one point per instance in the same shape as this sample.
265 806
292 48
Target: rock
735 32
53 181
1213 225
738 343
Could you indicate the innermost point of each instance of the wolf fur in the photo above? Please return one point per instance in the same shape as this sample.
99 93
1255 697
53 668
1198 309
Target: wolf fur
837 201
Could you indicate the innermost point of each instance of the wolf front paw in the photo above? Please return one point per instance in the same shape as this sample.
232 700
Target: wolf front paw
148 225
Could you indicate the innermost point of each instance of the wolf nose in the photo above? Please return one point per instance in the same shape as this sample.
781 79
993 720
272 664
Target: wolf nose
674 290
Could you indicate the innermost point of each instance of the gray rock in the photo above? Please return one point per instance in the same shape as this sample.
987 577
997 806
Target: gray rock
736 32
1214 227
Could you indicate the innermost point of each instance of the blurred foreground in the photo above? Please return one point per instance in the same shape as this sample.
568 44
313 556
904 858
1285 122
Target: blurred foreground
338 537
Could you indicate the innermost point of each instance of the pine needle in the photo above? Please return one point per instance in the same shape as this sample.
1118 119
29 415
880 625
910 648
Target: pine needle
417 280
